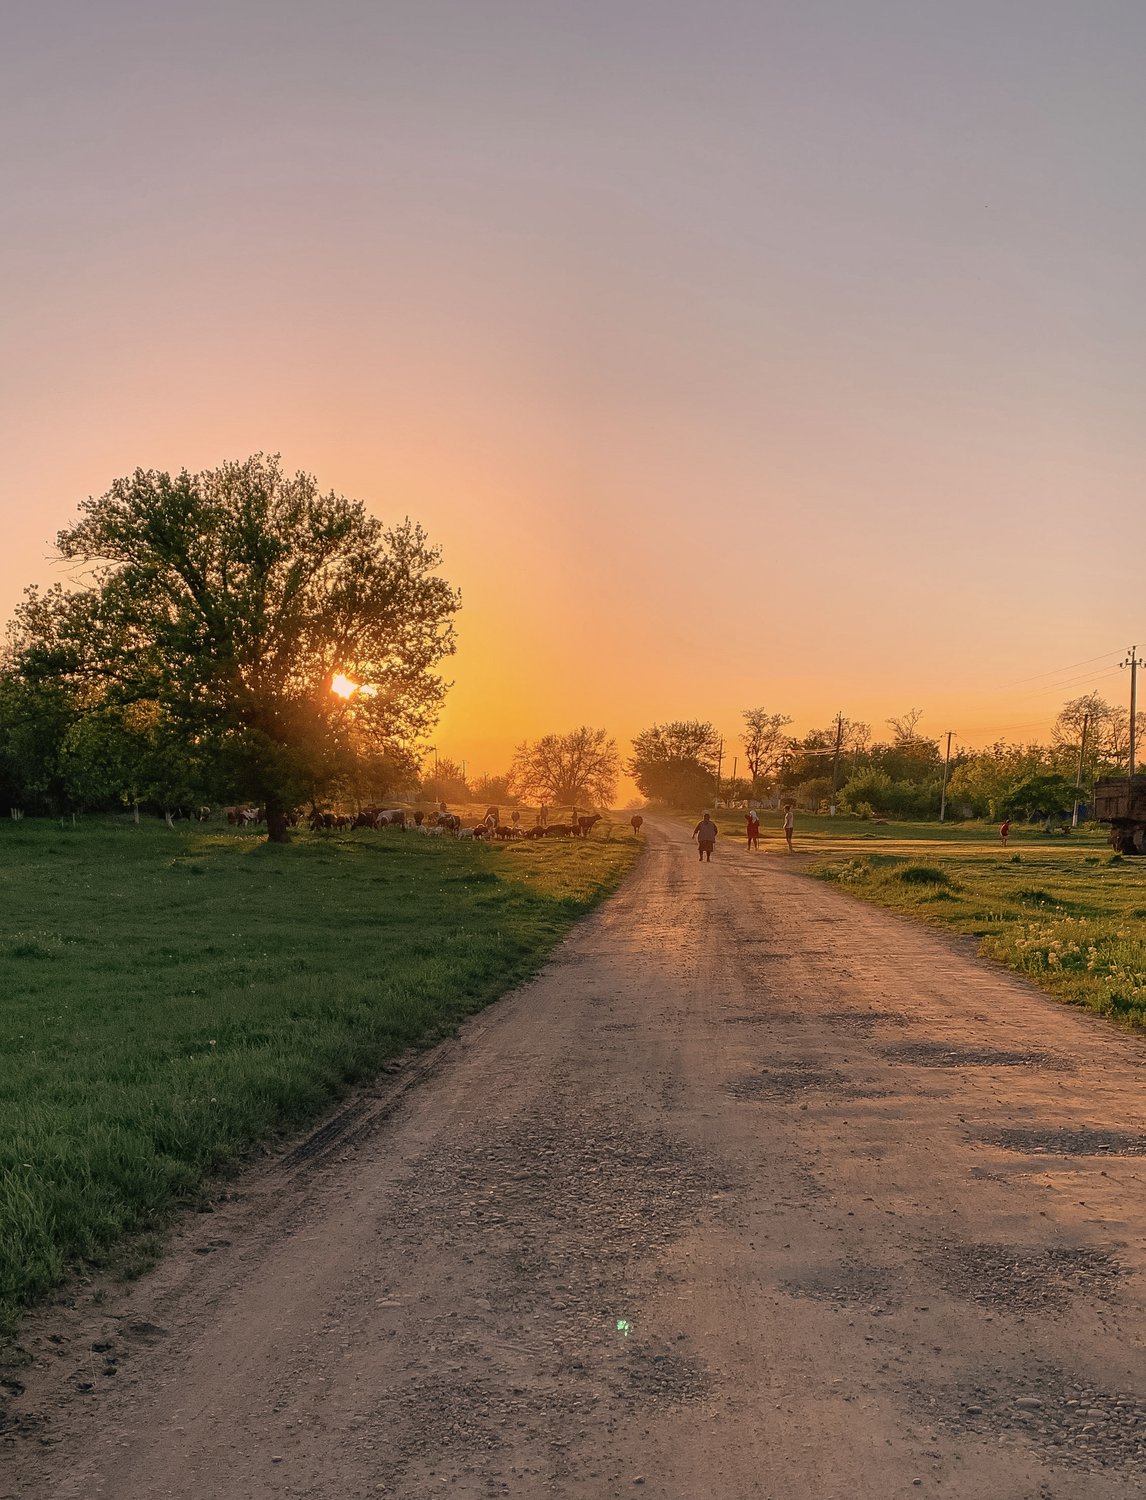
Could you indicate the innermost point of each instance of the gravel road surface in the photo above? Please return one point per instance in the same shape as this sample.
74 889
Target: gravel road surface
755 1191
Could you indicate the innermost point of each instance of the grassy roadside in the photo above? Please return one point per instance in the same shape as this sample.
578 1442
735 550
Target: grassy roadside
172 999
1064 911
1061 909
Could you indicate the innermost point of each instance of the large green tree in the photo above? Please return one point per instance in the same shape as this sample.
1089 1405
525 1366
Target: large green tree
676 762
234 602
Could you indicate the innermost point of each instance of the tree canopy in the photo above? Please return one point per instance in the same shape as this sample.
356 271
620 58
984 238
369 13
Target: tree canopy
765 743
676 762
579 768
275 633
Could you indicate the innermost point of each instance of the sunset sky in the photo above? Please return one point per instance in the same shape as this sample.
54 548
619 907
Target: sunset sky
735 353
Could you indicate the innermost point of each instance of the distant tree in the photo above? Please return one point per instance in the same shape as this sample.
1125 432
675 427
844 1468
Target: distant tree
1043 795
1107 736
905 726
981 779
494 790
765 744
676 762
579 768
35 717
813 794
234 601
445 783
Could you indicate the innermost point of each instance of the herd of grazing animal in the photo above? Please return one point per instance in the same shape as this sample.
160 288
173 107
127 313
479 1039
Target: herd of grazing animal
433 824
438 824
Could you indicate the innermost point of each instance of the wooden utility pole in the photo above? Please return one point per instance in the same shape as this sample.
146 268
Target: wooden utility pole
836 762
1078 773
719 763
1133 663
943 786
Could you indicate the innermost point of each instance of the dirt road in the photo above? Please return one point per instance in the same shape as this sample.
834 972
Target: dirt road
756 1191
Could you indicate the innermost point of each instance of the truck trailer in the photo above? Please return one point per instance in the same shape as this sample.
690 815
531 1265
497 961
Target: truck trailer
1121 802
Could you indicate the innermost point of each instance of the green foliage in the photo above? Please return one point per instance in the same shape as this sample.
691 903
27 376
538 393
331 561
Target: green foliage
922 875
675 763
222 607
172 998
1039 795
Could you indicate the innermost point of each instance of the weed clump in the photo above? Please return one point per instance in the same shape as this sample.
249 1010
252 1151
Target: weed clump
922 875
1034 897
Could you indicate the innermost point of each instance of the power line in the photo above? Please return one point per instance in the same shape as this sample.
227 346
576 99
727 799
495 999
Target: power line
1069 667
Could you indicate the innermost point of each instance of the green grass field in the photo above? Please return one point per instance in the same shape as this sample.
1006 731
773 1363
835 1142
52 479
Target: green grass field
170 999
1062 909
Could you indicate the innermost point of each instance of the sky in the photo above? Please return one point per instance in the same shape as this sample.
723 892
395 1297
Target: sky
736 353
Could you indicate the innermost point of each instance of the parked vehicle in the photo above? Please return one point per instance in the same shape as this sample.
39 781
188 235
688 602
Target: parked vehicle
1121 802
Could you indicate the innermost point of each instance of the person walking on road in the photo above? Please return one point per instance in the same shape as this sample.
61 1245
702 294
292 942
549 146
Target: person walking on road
789 824
705 835
752 821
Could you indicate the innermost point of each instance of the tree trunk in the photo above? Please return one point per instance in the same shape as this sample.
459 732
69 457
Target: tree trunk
278 830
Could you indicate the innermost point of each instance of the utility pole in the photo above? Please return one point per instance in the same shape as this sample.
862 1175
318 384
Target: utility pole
836 762
1078 773
735 763
719 763
1133 663
943 787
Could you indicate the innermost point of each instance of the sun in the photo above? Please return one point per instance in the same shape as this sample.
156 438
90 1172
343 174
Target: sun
344 686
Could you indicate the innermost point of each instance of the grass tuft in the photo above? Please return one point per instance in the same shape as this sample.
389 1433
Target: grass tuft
922 875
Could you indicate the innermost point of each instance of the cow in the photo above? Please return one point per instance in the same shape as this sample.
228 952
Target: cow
392 817
585 825
202 814
418 818
635 822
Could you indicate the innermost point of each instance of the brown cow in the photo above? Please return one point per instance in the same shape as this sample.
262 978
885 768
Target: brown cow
585 825
635 822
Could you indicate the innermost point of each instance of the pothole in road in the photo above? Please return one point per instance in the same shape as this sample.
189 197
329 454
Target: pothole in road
794 1082
1066 1420
950 1055
784 1083
857 1021
850 1284
1076 1140
1012 1276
